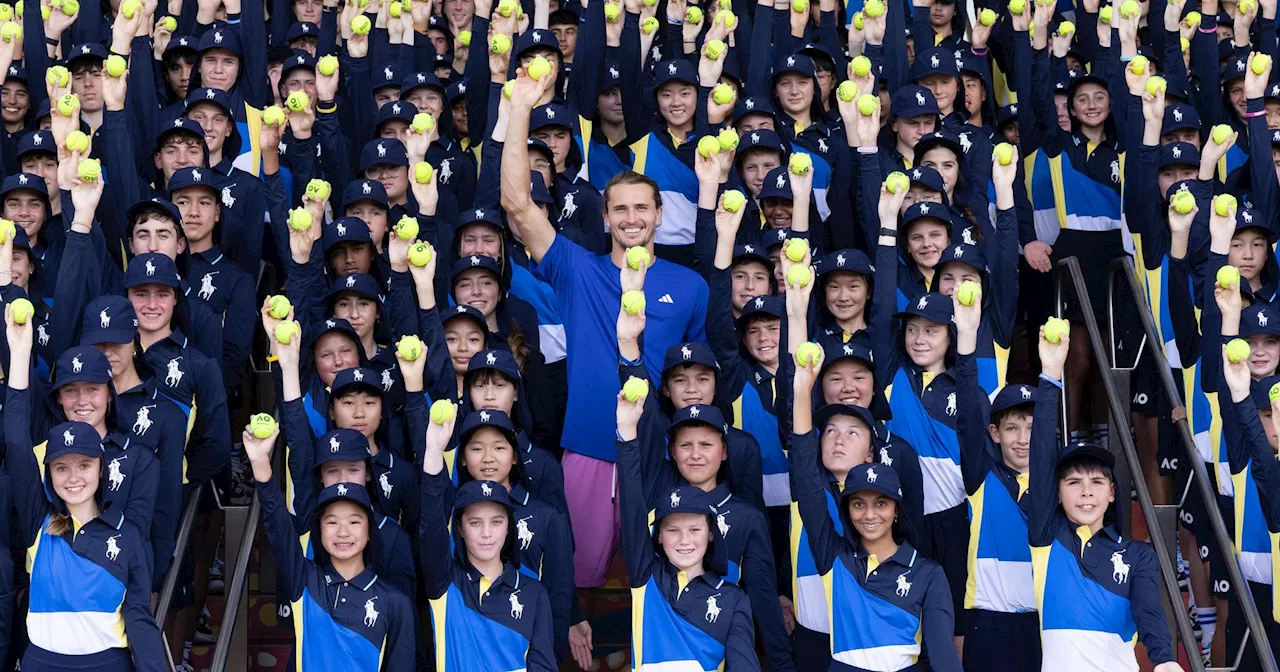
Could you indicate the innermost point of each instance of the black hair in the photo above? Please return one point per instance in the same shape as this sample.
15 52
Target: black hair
562 17
1021 409
1084 464
900 531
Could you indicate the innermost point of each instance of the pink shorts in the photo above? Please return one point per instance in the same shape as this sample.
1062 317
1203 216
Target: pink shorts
590 486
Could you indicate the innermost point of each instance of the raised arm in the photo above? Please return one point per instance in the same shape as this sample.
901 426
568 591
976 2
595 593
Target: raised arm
528 222
1045 441
637 549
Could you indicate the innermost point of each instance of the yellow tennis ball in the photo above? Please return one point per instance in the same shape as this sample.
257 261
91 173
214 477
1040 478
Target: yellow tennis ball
650 25
507 7
464 38
539 67
693 15
299 219
7 230
395 10
722 94
1248 7
115 65
77 141
714 49
297 101
130 7
71 7
407 228
278 306
318 190
58 76
1017 6
1259 63
1055 328
262 425
610 12
808 354
638 257
423 122
6 13
67 104
847 91
442 411
273 116
897 182
859 21
1274 392
1222 133
1138 64
169 23
800 164
286 332
1156 85
1104 15
861 66
1237 350
1183 202
967 292
726 18
1066 29
732 200
1224 204
708 145
361 25
500 44
1184 43
987 17
795 249
422 172
508 88
635 389
633 301
728 139
410 348
800 6
1228 276
800 276
1004 153
868 104
873 8
1129 9
89 170
420 254
649 3
327 65
22 311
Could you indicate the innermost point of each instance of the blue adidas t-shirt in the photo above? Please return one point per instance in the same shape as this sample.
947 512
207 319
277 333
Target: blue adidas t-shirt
589 294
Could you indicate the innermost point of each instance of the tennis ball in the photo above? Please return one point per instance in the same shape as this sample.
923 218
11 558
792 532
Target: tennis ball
1104 15
77 141
410 347
299 219
395 10
1004 153
500 44
6 12
169 23
638 257
1237 350
1138 64
635 389
649 3
987 17
800 276
273 116
318 190
967 292
859 21
89 170
1224 204
278 306
726 18
58 76
1274 393
800 6
1156 85
633 301
1183 202
708 145
873 8
297 101
539 67
130 7
507 7
1066 29
361 25
649 25
1193 19
327 65
1129 9
1222 133
286 331
714 49
722 94
67 104
732 200
1017 6
868 104
407 228
508 88
420 254
1259 63
423 122
464 38
610 12
422 172
442 411
115 65
808 354
800 164
7 230
897 182
1248 7
693 15
1228 276
728 139
262 425
861 66
1055 328
847 91
22 311
795 249
1184 43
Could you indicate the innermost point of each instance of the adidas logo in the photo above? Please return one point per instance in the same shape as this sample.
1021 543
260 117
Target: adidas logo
666 298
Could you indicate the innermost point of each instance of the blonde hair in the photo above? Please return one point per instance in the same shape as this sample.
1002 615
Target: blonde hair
59 524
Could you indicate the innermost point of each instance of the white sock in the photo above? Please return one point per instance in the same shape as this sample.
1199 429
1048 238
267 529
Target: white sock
1208 619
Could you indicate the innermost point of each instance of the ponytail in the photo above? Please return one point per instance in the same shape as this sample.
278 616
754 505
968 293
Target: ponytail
516 341
59 525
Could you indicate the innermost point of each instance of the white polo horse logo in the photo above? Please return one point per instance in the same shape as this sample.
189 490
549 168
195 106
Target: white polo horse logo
951 404
333 444
1262 318
1115 172
370 613
872 476
967 234
114 474
569 206
491 359
143 422
1119 568
904 586
446 171
924 303
104 320
384 482
884 457
713 609
68 438
485 489
174 375
675 498
206 285
342 229
386 380
523 533
76 364
1026 392
722 524
42 335
517 609
113 549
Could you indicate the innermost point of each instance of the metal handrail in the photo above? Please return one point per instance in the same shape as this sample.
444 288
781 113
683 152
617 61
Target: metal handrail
171 577
1167 573
1257 631
235 589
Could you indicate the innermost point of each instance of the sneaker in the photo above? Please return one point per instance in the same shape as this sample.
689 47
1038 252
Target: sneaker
216 581
204 632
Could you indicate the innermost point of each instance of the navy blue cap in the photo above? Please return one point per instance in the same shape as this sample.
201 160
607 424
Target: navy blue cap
501 361
776 237
938 138
37 141
798 63
612 74
1010 396
181 43
78 438
480 261
750 252
341 326
418 80
383 151
355 377
24 181
1260 391
933 306
777 184
1233 69
697 414
761 138
436 22
826 413
815 51
682 499
1078 78
679 70
834 350
347 492
91 50
1077 449
184 178
463 310
875 478
1246 218
1259 319
152 268
1007 114
925 210
539 38
157 205
109 319
20 239
536 145
551 114
81 364
753 105
538 190
927 177
490 216
360 283
221 37
851 260
345 230
180 125
476 492
911 101
692 352
1179 153
346 445
1273 89
1180 116
301 29
456 90
477 420
762 306
16 72
935 61
962 253
364 190
389 75
207 95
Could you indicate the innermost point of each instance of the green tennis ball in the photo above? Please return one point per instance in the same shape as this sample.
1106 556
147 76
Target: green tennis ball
1004 153
286 332
1274 392
464 38
732 200
1156 85
633 301
708 145
395 10
539 67
6 13
868 104
1017 6
423 122
859 21
1237 350
58 76
722 94
22 311
130 7
89 170
873 8
361 25
262 425
273 116
500 44
800 276
1183 202
327 65
728 139
1222 133
507 7
297 101
808 354
1259 63
714 49
1129 9
610 12
1193 19
7 230
800 6
1055 328
420 254
1104 15
318 190
169 23
422 172
987 17
693 15
410 348
800 164
1228 276
407 228
1138 64
115 65
796 248
1066 29
635 389
650 25
847 91
67 104
299 219
1224 204
508 88
442 411
861 66
967 292
897 182
638 258
726 18
77 141
278 306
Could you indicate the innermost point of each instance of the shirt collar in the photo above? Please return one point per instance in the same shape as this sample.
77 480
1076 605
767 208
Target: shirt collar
510 575
905 556
362 581
519 495
211 256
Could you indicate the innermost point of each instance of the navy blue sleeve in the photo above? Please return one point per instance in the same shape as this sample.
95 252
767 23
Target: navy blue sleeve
938 622
637 546
1204 68
1182 312
1044 453
396 564
542 655
35 55
809 490
209 449
740 645
631 69
238 324
253 39
761 67
557 577
441 381
1145 598
1002 309
1211 327
79 282
285 550
401 305
477 78
722 336
399 651
30 503
746 467
300 460
1265 467
169 493
488 184
140 507
584 79
651 436
433 533
972 420
1263 192
139 624
759 577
